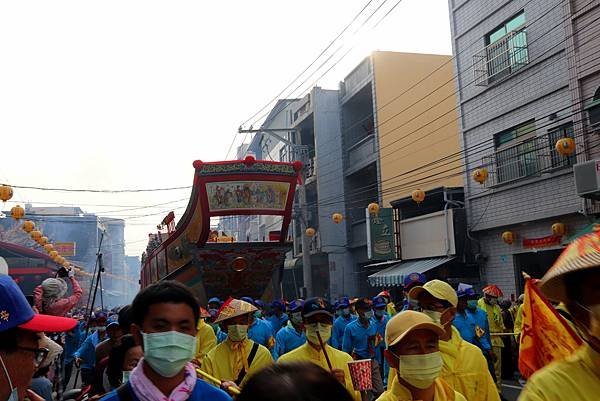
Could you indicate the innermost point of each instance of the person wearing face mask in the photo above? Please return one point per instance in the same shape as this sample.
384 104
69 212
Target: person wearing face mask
318 317
390 307
380 319
260 331
165 316
412 341
277 319
464 367
292 336
489 304
471 322
574 279
123 358
359 341
340 323
22 344
238 357
410 281
85 356
206 338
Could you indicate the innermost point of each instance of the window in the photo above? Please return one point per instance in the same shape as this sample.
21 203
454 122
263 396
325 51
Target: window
558 160
505 51
516 153
283 154
593 110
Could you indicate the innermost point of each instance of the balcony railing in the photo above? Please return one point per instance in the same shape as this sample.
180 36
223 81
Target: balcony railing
528 158
363 151
501 58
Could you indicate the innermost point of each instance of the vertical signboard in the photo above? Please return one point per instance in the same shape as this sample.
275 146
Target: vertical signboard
380 235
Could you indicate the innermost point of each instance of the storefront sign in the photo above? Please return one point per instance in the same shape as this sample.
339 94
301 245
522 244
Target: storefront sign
542 242
65 248
380 235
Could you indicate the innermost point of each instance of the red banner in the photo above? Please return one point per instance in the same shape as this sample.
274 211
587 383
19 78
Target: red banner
541 242
545 336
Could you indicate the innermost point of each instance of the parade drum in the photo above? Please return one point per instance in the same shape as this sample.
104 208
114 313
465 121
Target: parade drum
360 372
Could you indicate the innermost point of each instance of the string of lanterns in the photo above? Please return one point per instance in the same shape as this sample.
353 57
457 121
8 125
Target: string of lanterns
558 229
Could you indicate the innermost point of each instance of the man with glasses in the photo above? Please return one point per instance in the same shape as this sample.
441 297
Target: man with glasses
22 344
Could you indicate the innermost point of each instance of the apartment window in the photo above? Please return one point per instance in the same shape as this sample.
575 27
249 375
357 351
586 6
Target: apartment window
283 154
516 152
505 52
593 110
558 160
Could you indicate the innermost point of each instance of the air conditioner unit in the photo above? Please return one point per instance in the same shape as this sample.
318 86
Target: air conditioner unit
587 179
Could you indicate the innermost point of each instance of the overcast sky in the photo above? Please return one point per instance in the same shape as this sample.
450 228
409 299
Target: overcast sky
126 94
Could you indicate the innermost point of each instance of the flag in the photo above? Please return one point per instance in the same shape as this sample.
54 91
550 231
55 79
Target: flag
546 336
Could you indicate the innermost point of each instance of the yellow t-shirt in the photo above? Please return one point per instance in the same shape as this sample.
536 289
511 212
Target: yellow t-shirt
494 314
205 339
339 360
220 360
443 392
576 378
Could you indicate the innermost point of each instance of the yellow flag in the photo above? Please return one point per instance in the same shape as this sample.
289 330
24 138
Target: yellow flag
546 336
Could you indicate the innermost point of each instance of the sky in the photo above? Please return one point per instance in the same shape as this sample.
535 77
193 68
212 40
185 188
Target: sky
113 95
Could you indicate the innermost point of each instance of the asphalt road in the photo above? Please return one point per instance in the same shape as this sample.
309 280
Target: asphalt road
511 389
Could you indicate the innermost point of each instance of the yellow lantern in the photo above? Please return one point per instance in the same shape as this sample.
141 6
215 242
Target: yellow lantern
310 232
60 260
43 241
418 195
56 259
508 237
565 146
36 235
337 218
17 212
373 208
480 175
28 226
558 229
53 254
6 192
49 247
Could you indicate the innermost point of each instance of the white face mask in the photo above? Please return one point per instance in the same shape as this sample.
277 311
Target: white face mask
14 394
323 329
368 314
420 371
125 377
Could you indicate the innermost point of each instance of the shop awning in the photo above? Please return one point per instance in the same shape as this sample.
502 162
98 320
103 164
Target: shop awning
394 276
585 230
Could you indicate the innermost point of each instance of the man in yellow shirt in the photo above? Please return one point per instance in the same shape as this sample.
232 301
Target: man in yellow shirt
412 341
318 317
205 338
575 280
465 367
238 357
489 304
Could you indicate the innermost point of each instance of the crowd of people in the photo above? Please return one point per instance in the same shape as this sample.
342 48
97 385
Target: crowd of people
437 343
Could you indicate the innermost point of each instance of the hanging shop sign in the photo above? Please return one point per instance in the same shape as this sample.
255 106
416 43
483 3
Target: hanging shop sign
380 235
542 242
65 248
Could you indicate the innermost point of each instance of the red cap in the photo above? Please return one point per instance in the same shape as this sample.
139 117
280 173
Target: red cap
48 323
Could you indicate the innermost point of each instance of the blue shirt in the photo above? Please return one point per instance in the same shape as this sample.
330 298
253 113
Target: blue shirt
337 333
467 323
202 392
277 322
288 339
87 351
73 340
260 331
359 340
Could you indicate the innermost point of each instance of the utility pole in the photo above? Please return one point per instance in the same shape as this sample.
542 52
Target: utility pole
300 153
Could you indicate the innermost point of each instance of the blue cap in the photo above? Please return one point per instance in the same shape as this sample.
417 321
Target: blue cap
258 303
343 303
296 305
313 306
379 302
214 300
15 311
277 304
247 299
414 279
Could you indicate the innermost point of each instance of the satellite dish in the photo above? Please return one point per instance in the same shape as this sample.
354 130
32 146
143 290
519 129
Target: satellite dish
3 266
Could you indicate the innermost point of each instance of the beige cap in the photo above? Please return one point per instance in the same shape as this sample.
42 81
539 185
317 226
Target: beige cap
437 288
234 308
405 322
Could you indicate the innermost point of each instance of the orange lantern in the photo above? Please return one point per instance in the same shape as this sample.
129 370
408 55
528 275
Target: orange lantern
565 146
66 264
43 241
17 212
6 192
480 175
508 237
28 226
337 218
36 235
373 208
559 229
53 254
418 195
310 232
48 247
61 260
56 259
